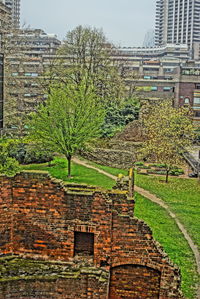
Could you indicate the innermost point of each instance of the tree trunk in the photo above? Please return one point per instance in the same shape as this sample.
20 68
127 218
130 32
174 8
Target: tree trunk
69 166
167 176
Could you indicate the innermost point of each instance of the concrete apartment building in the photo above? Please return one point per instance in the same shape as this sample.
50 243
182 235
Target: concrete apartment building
30 52
21 63
178 22
4 24
162 73
14 6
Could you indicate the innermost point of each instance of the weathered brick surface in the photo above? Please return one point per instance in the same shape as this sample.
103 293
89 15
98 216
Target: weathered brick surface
80 288
39 217
125 282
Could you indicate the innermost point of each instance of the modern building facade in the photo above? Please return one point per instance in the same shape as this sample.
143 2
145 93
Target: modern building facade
178 22
14 5
159 74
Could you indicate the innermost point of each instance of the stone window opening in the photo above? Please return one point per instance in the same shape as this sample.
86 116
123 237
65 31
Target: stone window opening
83 244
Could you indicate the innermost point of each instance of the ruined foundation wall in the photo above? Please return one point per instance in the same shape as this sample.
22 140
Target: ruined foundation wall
83 287
40 217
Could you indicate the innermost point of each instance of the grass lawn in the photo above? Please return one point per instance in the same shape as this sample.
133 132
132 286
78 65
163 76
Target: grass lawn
166 232
182 196
80 174
111 170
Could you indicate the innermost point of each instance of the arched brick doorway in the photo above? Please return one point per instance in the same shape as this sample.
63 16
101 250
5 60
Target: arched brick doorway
134 282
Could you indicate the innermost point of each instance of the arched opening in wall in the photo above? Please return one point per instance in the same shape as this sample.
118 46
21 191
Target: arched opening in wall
134 282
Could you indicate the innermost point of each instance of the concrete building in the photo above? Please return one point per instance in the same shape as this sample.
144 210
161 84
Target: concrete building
158 74
14 5
149 39
24 65
140 53
4 24
178 22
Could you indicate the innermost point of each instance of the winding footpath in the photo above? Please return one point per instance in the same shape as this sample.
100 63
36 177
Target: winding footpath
161 203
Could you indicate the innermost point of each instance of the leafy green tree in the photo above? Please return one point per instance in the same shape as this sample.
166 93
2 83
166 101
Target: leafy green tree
71 116
168 131
8 165
118 116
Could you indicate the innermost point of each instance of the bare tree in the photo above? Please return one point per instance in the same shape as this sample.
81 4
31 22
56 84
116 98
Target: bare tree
86 53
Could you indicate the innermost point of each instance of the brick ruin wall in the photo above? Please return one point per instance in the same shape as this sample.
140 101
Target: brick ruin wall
80 288
42 219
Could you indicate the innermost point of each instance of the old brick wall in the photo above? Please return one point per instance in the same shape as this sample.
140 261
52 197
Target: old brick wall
6 215
186 90
45 217
135 246
33 278
83 287
42 218
124 282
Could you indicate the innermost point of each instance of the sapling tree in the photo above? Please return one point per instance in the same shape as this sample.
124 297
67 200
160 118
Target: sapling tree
71 116
168 131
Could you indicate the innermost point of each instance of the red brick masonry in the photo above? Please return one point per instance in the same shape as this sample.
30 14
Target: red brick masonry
40 217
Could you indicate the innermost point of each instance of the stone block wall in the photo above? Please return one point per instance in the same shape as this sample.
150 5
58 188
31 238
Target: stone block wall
45 219
110 157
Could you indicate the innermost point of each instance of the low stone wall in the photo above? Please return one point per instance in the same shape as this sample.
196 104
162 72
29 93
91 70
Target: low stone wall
133 147
109 157
132 132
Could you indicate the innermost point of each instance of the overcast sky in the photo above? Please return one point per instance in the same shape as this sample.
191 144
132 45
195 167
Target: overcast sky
124 22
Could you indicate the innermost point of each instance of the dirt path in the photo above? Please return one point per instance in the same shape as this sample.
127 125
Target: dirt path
161 203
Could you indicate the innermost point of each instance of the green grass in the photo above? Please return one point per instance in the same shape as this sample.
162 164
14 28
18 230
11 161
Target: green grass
80 174
182 196
166 232
111 170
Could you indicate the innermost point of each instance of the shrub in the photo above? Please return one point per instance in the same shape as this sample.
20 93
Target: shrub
30 153
139 163
176 172
145 167
158 165
8 165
